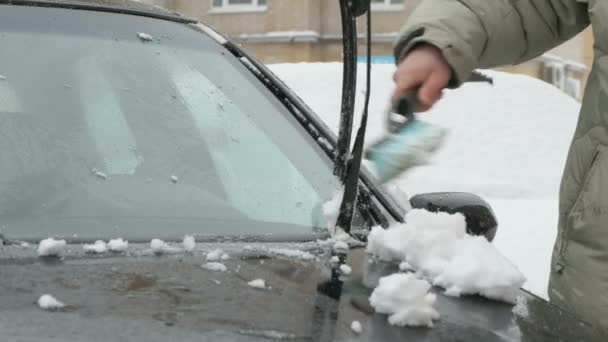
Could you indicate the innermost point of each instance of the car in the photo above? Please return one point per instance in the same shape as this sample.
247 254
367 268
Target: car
124 120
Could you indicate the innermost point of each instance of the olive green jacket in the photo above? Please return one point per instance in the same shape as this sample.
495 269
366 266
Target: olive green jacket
487 33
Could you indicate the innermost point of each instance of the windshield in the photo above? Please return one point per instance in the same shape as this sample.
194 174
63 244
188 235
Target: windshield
141 128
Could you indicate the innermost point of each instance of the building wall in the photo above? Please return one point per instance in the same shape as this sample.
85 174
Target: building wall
310 30
281 15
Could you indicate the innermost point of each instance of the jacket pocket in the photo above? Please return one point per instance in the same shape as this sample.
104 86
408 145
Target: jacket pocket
587 221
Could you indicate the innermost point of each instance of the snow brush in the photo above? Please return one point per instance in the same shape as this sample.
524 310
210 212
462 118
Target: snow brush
409 142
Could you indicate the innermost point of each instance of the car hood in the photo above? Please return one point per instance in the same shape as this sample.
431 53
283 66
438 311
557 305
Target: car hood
142 296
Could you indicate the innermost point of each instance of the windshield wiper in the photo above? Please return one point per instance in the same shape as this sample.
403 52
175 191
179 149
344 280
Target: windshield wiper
348 164
4 241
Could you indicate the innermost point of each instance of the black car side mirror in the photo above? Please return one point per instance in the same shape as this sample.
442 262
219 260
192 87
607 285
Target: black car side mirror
478 213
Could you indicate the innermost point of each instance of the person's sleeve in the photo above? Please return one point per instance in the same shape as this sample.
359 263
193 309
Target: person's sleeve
487 33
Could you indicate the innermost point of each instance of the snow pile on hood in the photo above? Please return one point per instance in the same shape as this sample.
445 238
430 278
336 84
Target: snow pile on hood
215 267
144 37
189 243
216 255
406 299
356 327
48 302
482 120
292 253
118 245
331 210
257 283
345 269
98 247
437 246
51 247
161 247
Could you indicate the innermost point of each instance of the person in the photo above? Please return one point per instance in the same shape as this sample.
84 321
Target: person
444 40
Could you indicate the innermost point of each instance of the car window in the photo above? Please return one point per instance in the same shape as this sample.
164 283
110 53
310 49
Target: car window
113 135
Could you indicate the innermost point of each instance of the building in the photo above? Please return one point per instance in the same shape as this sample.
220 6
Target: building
279 31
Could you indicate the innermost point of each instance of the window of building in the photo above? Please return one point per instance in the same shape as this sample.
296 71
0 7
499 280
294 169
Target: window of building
238 5
391 5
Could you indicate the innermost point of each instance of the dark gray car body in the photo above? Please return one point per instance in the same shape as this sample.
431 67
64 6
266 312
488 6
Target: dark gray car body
143 297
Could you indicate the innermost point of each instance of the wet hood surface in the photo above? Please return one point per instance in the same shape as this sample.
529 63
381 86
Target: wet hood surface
143 297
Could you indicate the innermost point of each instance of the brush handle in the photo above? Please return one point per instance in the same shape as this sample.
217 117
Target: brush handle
407 104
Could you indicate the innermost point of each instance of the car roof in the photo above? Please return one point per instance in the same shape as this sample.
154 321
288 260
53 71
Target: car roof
115 6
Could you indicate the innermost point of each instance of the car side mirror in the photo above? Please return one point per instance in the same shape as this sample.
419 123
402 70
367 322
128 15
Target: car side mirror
478 213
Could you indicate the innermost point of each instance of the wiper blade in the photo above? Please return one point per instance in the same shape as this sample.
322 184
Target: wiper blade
349 175
4 241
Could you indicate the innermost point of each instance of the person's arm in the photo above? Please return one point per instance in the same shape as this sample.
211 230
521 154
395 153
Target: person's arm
473 34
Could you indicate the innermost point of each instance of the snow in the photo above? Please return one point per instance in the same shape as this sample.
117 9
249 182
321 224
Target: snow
144 37
217 255
98 247
334 259
356 327
118 245
189 243
301 36
404 266
331 210
101 175
406 299
480 154
51 247
345 269
215 266
212 33
398 194
257 283
436 244
161 247
269 334
325 143
340 246
48 302
292 253
24 245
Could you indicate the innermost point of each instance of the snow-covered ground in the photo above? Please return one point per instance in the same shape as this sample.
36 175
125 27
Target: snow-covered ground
507 143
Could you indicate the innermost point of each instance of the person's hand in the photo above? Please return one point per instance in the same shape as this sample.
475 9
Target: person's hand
426 67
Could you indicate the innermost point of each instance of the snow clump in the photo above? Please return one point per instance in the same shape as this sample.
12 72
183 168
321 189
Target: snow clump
345 269
356 327
144 37
161 247
98 247
340 246
331 210
438 247
48 302
406 299
51 247
215 267
118 245
257 283
292 253
189 243
216 255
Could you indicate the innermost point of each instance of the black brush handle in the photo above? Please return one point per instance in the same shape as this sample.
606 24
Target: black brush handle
407 104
